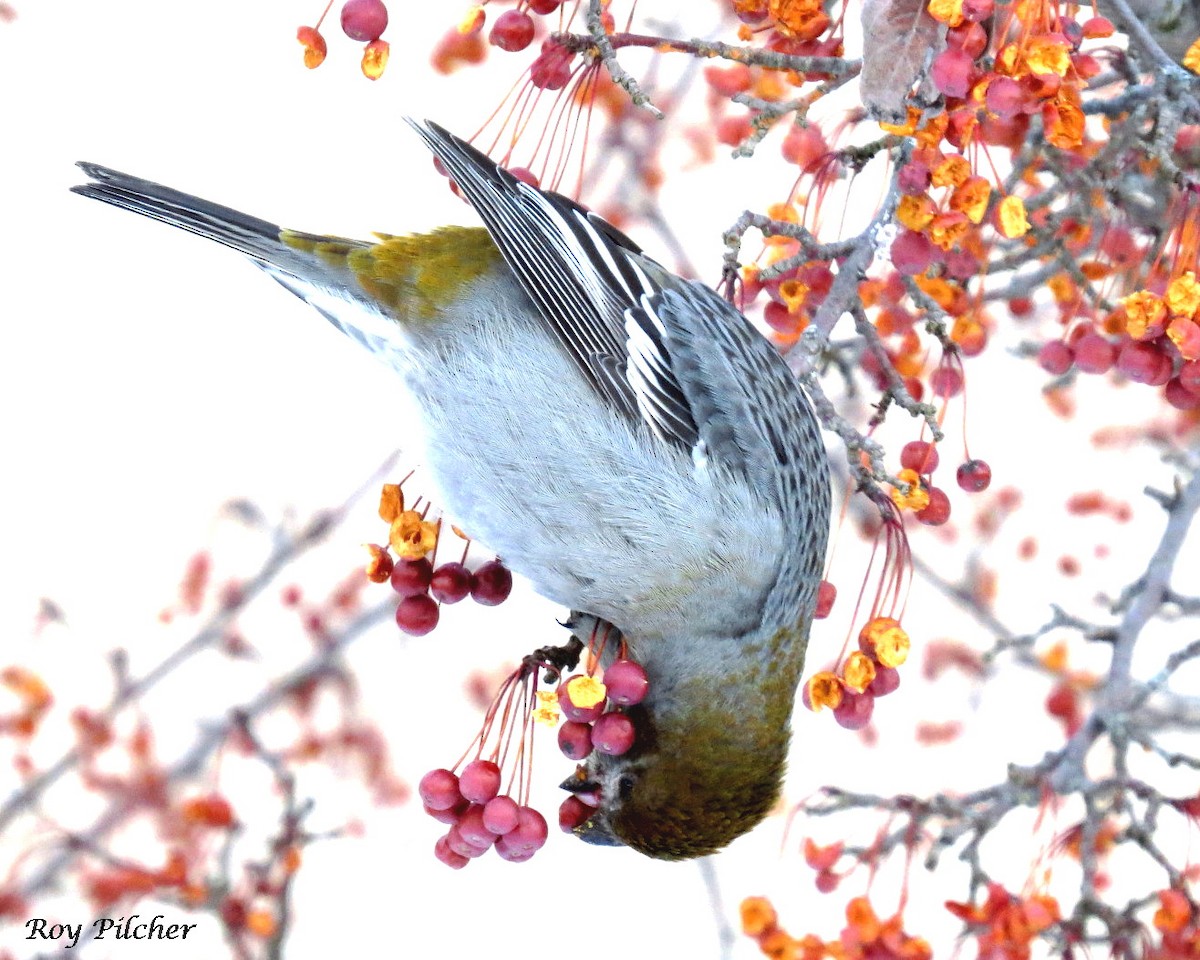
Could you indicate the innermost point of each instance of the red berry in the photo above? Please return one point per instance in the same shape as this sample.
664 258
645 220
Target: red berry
946 382
613 734
472 829
491 584
479 781
826 595
827 881
512 31
552 68
974 476
544 7
500 815
1144 363
912 252
1189 376
575 739
952 72
570 710
1056 357
1062 702
937 511
914 177
1093 353
626 682
530 833
854 712
920 456
410 577
441 850
1180 397
417 615
525 175
968 37
887 679
450 582
572 812
364 20
439 790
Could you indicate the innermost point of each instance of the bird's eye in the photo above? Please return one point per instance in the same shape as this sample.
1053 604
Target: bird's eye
625 787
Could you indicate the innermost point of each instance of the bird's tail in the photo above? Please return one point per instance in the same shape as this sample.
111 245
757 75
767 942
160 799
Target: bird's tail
314 268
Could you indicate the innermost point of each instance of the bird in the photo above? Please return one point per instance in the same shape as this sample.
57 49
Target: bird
624 438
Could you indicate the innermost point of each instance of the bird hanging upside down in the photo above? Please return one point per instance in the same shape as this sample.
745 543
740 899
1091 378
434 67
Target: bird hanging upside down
622 437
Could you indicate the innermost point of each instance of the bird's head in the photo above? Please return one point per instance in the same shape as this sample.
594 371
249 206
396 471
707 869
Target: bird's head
704 770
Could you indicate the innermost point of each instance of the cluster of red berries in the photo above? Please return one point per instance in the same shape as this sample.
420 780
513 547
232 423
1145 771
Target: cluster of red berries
919 459
596 721
1152 362
480 817
513 31
362 20
868 672
422 588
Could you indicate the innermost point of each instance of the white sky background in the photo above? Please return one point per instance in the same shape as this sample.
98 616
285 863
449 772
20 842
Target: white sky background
147 376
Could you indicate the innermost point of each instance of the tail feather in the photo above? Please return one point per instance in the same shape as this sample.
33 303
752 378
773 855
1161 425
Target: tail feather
258 239
311 266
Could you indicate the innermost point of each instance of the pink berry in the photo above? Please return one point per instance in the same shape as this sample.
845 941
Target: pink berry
450 582
827 881
364 20
512 31
410 577
500 815
525 175
459 844
627 682
946 382
912 252
1189 376
937 511
479 781
450 816
1144 363
572 812
575 739
952 72
513 854
974 476
826 595
1180 397
854 712
491 584
530 833
472 829
417 615
920 456
887 679
439 790
1056 357
441 850
570 710
1094 353
613 734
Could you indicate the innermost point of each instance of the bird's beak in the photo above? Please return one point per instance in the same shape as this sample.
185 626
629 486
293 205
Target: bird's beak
583 787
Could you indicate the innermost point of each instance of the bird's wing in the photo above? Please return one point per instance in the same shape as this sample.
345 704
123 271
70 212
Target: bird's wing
588 281
751 413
